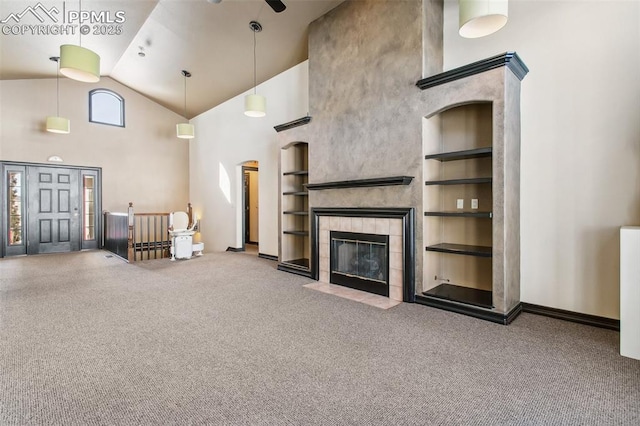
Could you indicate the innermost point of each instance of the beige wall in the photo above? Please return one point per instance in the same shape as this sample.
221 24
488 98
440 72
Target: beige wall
225 140
580 142
144 162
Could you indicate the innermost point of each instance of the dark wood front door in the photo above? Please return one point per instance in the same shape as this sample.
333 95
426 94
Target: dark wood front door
53 210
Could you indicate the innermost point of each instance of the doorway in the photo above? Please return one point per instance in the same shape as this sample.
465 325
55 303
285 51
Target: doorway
250 207
49 209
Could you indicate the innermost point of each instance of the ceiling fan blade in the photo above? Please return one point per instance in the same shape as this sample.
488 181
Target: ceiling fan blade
276 5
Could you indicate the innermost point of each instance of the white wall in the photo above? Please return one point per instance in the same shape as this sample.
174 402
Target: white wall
225 138
144 162
580 142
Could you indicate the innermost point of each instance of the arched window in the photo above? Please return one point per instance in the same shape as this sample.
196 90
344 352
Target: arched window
106 107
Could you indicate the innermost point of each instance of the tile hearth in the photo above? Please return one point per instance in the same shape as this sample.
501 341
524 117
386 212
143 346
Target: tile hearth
355 295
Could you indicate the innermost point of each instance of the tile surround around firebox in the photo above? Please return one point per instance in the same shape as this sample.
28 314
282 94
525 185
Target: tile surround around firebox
396 223
367 225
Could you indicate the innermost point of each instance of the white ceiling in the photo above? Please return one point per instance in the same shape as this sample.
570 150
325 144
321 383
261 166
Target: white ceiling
212 41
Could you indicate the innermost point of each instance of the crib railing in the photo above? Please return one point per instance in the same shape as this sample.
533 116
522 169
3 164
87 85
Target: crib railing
138 236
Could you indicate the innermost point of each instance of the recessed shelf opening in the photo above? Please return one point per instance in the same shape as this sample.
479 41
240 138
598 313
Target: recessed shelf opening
294 240
458 234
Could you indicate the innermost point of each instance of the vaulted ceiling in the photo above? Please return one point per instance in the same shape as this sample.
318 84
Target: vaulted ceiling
153 40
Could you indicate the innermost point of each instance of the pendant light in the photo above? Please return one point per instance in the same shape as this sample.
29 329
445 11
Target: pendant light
58 124
255 105
79 63
479 18
185 130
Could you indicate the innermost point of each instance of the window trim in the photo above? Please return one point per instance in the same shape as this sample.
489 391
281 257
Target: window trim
114 94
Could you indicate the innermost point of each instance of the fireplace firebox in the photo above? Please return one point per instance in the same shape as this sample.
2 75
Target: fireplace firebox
360 261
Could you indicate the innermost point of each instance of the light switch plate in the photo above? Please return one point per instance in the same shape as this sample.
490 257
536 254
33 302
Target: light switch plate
460 203
474 203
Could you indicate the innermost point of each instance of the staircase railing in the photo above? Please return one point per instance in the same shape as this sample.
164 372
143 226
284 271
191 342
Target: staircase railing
138 236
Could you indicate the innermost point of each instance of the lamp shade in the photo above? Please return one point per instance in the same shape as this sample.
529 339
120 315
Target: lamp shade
58 125
479 18
79 63
185 130
255 106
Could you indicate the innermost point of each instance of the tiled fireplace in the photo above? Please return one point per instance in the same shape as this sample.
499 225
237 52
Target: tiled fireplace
373 249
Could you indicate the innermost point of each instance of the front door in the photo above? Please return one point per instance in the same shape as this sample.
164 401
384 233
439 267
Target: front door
53 210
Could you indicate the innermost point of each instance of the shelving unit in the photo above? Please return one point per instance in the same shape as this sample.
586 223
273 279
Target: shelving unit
487 215
294 206
458 242
464 249
471 138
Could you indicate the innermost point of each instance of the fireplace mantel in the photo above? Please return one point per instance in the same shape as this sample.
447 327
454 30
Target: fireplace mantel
361 183
509 59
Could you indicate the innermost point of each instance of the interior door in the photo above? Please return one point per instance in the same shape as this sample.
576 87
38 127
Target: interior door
53 210
247 212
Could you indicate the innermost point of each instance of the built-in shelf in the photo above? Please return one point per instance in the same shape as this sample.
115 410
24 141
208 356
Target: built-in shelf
296 173
303 263
473 134
360 183
467 154
294 205
300 233
471 296
487 215
463 249
470 181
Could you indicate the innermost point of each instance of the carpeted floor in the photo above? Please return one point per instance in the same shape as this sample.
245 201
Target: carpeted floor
87 339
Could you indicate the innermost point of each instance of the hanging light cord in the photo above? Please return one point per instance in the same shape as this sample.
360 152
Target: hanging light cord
254 63
80 22
185 95
58 87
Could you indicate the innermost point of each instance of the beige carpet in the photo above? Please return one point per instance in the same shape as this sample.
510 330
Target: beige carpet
87 339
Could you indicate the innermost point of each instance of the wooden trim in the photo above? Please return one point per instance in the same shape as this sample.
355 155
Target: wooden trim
580 318
360 183
235 249
470 310
509 59
291 124
287 267
268 256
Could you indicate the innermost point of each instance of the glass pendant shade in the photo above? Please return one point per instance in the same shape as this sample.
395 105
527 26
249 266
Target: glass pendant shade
185 130
479 18
58 125
78 63
255 106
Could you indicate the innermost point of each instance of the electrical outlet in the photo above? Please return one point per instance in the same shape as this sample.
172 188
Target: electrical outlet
474 203
460 203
